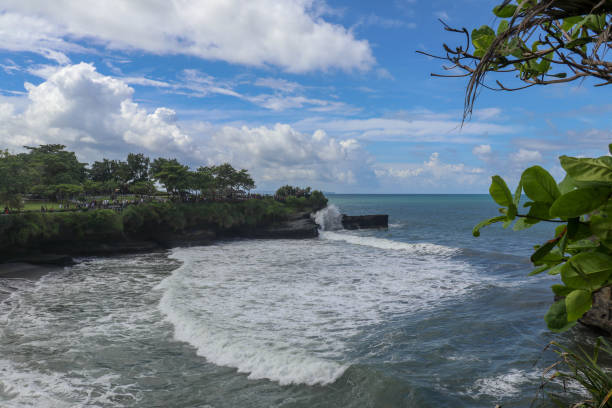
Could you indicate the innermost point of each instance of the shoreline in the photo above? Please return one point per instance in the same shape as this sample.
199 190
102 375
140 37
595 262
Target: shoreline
24 270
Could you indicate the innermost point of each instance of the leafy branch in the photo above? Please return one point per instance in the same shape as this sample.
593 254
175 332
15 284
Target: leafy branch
544 42
581 250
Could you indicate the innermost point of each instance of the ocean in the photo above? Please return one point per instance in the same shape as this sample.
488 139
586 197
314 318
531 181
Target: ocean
419 315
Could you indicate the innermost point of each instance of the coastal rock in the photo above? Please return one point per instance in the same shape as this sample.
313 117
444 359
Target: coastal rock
47 259
600 315
352 222
292 229
196 237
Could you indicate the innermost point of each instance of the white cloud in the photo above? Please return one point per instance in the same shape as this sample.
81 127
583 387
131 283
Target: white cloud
282 154
483 152
524 156
290 34
96 116
81 108
375 20
418 126
486 113
433 175
278 84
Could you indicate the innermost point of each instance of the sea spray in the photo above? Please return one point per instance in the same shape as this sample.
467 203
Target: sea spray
329 218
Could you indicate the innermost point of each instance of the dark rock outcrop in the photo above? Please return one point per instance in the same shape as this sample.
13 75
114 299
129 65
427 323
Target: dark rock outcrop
195 237
600 315
352 222
292 229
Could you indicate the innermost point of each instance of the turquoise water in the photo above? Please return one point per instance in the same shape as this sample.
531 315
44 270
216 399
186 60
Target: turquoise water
419 315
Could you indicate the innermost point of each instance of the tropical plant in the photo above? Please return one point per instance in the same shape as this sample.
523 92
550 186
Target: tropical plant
583 368
581 250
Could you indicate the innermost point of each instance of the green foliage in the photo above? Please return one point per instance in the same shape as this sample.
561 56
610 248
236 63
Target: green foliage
145 221
581 250
584 368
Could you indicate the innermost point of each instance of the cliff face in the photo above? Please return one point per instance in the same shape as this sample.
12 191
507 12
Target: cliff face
148 228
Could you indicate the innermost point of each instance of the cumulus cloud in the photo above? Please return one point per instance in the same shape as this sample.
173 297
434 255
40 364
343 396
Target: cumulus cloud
483 152
524 156
290 34
282 153
433 175
80 107
96 115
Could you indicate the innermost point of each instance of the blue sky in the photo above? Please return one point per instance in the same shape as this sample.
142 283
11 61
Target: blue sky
330 94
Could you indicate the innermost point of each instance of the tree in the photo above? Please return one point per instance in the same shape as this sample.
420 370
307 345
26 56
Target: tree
138 167
171 174
101 171
543 42
203 180
15 179
243 180
55 165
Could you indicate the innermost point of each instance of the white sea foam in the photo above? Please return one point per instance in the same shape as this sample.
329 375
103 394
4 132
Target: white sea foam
511 384
64 319
288 311
22 386
329 218
504 385
382 243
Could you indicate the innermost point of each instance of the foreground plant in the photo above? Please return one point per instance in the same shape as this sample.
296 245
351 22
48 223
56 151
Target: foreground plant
581 250
584 369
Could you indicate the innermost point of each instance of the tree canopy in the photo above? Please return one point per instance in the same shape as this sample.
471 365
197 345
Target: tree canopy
50 171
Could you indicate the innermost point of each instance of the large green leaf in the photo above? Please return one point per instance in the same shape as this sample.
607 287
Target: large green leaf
517 194
567 185
579 202
538 270
539 185
504 11
500 192
577 303
482 224
601 227
538 211
522 224
551 257
555 270
483 37
561 290
587 270
503 26
542 251
556 317
587 169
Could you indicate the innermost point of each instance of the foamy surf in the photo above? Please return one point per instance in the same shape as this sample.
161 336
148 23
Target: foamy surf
234 349
387 244
287 311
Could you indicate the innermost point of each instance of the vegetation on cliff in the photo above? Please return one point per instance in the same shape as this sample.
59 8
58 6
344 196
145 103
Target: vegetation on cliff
148 221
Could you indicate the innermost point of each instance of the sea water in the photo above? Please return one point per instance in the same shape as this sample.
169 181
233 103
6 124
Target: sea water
417 315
